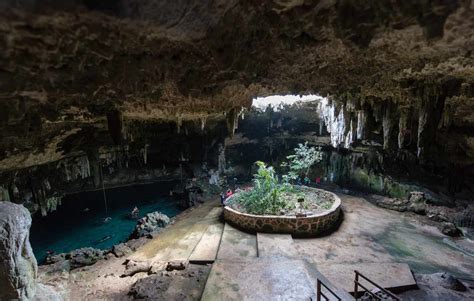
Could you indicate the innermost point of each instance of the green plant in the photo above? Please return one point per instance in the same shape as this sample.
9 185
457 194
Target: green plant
266 195
301 161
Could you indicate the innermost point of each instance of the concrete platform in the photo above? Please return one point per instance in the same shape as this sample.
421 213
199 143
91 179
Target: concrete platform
394 276
206 249
176 243
259 279
236 244
271 245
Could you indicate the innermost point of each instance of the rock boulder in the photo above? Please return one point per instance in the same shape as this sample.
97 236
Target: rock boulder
84 257
450 229
417 202
18 266
150 223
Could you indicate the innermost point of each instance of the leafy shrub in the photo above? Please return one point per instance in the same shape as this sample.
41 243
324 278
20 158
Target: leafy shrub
266 196
301 161
271 196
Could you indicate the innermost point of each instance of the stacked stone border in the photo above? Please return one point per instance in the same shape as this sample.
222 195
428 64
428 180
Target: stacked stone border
308 226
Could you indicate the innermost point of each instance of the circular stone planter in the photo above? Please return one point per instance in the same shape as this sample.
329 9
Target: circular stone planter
310 225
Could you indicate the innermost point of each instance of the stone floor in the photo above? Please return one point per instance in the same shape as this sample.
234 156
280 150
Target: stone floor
372 234
252 267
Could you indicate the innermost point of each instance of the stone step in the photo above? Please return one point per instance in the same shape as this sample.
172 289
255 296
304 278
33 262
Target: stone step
206 249
275 245
259 279
396 277
236 244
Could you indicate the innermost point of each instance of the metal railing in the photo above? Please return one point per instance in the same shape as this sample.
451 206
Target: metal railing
357 284
321 294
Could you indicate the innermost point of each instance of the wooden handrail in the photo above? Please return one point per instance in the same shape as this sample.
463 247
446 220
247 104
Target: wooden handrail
357 284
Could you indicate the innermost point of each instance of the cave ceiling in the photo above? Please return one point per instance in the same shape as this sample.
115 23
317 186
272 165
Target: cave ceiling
65 65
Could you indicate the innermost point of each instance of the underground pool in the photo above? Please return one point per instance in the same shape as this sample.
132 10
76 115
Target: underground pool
79 221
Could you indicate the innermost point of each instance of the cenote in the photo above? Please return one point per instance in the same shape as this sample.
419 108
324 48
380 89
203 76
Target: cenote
296 149
79 221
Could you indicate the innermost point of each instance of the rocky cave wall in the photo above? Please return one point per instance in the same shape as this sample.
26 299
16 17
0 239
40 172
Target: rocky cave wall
74 75
147 152
370 148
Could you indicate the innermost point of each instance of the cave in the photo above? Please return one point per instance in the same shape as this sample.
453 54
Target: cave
236 150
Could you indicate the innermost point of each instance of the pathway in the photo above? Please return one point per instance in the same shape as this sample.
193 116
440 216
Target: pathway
374 241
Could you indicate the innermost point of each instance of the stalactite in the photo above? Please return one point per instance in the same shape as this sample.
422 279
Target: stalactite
338 122
115 125
85 170
388 125
179 123
66 171
404 131
279 122
431 111
144 153
46 184
221 162
232 118
203 123
378 112
361 124
351 134
4 194
15 191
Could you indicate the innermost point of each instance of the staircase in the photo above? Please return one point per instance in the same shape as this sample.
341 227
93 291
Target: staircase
262 267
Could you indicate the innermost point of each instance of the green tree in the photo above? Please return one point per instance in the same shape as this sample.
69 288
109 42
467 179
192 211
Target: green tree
301 161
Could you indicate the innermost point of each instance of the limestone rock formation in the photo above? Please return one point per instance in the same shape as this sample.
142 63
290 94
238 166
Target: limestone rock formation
18 267
85 256
150 223
93 89
75 259
184 284
450 229
121 250
446 280
417 202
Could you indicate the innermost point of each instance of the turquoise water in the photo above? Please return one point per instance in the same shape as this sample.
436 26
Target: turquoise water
72 226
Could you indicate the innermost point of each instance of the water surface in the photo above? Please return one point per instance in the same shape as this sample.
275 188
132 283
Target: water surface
78 222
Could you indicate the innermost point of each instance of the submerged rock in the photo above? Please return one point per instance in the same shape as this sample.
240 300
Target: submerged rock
18 266
150 223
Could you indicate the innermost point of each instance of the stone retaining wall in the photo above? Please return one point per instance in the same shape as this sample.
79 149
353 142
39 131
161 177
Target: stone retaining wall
311 225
